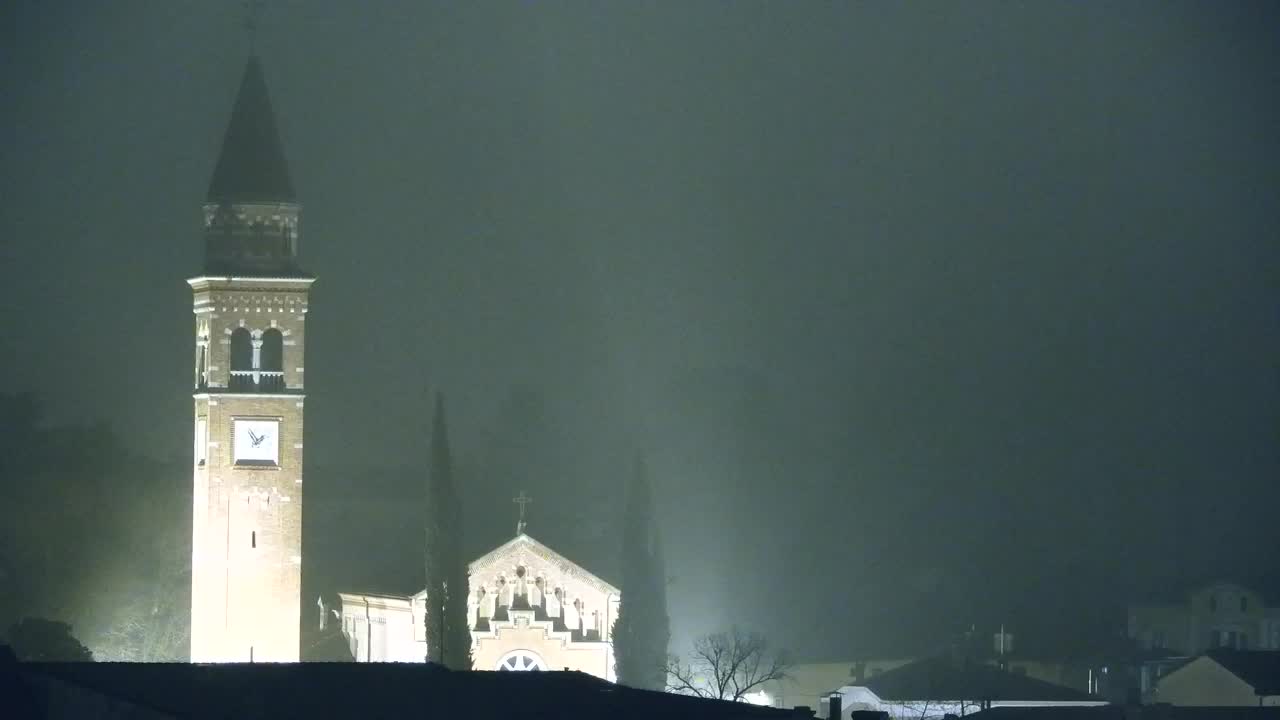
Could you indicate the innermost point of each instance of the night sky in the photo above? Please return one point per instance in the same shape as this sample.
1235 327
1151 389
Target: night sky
923 314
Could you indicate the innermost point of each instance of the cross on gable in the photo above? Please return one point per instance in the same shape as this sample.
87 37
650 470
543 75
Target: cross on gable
521 500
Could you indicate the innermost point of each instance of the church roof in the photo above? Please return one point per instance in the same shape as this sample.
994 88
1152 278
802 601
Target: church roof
251 166
519 542
523 541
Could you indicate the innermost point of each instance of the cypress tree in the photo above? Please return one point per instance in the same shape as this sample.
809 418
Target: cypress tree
448 637
641 632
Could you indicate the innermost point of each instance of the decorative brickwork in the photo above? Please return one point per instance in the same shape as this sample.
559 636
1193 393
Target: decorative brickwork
247 535
249 305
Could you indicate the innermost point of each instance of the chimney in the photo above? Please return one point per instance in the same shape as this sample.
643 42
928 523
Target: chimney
833 706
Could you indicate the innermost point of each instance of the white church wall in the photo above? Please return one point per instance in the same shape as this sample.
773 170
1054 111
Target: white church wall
554 650
525 567
381 628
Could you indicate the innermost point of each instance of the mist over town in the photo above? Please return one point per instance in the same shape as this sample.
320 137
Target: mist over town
752 359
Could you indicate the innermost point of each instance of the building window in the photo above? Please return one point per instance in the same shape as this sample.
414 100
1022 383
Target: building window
272 350
1229 639
1213 603
202 440
521 660
271 362
1244 604
241 350
241 360
202 371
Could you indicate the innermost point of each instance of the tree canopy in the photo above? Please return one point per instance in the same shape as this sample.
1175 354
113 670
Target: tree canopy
448 636
40 640
727 666
642 630
122 577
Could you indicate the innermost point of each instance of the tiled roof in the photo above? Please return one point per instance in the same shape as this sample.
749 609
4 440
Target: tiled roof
946 678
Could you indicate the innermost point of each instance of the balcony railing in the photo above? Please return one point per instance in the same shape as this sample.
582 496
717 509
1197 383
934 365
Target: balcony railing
257 381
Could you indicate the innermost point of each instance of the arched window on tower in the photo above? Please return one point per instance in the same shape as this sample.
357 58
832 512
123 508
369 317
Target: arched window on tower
271 377
241 361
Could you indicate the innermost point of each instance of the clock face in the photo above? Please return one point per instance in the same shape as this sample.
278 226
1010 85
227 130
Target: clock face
257 442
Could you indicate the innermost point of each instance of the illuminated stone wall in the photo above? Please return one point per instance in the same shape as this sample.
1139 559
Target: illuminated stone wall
569 598
383 628
570 629
554 650
247 519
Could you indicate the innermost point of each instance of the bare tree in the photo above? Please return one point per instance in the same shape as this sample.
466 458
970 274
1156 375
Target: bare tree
931 709
914 710
726 666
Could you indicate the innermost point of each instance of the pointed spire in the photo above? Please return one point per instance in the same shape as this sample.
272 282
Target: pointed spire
251 166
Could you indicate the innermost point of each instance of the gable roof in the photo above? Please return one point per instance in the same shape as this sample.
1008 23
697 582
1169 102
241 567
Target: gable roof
944 678
519 542
537 549
251 166
1259 668
385 690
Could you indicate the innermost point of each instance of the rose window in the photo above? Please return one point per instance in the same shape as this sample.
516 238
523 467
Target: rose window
521 660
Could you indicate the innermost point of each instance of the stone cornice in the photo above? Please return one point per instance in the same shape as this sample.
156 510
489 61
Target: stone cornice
209 280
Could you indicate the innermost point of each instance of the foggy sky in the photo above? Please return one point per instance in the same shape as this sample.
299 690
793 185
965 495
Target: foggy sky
924 314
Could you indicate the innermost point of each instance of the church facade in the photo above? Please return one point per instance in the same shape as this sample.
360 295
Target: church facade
529 608
250 303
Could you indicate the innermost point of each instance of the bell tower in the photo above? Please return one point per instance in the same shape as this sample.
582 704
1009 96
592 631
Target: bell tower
250 305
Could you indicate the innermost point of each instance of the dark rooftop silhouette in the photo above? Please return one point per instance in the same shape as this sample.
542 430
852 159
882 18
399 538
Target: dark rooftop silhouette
1259 668
945 678
366 690
251 166
1123 712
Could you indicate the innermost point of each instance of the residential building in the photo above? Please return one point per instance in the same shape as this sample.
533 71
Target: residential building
806 684
934 687
1218 615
